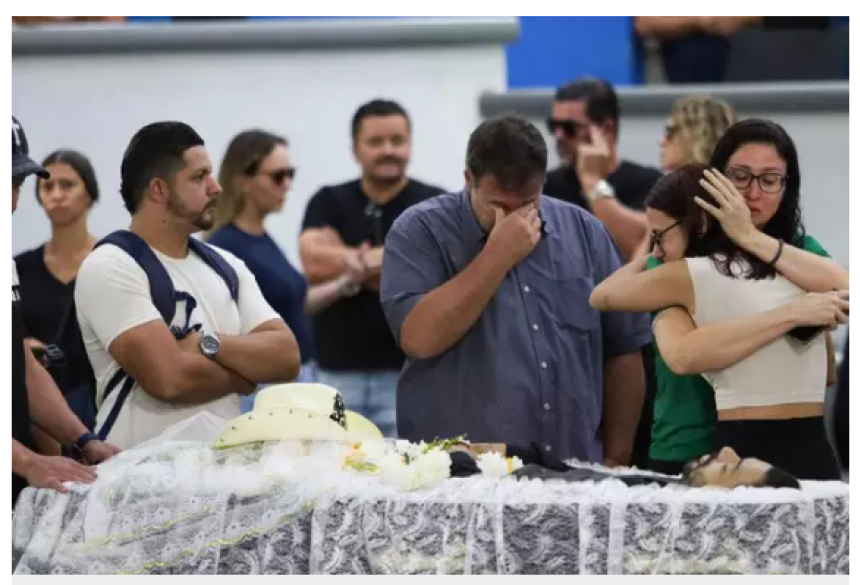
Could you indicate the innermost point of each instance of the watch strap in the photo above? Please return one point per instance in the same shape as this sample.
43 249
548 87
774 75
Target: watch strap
83 441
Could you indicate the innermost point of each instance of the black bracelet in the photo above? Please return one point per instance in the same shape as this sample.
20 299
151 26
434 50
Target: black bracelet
778 255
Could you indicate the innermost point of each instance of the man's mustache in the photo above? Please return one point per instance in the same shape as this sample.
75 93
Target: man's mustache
390 159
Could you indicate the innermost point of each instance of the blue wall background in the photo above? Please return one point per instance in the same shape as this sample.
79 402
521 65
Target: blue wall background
555 49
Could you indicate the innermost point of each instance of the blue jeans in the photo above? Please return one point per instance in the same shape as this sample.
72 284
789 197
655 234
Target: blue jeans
308 373
370 394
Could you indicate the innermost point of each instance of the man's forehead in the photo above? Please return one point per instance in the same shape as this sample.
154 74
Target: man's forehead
197 158
570 109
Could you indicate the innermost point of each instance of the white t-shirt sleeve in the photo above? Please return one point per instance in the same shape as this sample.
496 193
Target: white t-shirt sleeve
112 294
254 310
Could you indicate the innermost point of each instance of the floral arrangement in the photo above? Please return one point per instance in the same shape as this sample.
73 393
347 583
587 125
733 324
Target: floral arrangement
412 466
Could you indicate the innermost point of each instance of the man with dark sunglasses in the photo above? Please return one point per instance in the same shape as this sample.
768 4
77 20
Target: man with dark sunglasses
584 124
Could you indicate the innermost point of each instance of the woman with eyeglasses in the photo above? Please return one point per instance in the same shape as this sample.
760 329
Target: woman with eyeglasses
733 306
695 125
255 176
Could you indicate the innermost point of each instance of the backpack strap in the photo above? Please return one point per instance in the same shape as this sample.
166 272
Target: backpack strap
163 296
160 285
217 263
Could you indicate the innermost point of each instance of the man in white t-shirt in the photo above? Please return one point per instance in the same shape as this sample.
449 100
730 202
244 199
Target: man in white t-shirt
231 346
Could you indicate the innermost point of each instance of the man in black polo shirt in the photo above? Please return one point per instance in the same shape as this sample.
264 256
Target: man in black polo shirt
347 223
35 397
584 124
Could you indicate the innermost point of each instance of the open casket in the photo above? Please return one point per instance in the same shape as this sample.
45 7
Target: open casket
183 508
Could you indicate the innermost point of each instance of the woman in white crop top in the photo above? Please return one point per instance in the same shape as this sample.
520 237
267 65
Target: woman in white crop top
727 307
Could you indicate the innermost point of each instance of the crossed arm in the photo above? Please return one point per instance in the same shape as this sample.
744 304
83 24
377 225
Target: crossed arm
115 309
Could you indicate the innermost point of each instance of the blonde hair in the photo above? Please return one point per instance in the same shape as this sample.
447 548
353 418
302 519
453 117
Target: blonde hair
701 121
244 155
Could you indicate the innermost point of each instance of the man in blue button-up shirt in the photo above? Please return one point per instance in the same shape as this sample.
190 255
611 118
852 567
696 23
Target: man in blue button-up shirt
487 291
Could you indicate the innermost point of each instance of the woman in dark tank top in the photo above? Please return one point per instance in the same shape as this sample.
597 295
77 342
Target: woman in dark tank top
47 273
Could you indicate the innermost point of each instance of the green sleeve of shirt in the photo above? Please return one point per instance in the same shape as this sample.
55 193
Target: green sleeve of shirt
810 244
652 262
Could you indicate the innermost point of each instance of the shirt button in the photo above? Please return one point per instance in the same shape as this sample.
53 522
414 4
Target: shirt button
526 289
535 327
549 448
543 365
546 406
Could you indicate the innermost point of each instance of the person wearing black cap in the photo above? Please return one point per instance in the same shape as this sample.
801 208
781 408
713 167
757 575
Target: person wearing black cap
35 397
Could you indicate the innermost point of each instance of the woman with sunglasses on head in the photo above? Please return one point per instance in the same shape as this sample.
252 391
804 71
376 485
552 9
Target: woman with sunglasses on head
255 176
748 263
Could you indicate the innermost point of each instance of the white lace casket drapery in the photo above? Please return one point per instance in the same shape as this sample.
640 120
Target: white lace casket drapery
182 508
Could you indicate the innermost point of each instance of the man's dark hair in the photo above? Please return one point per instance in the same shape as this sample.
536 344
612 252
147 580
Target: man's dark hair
157 150
508 147
777 478
601 101
376 108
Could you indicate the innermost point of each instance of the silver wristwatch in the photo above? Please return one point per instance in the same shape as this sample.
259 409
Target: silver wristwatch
209 345
601 190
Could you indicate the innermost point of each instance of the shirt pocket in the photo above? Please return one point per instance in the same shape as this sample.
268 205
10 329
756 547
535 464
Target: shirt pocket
570 306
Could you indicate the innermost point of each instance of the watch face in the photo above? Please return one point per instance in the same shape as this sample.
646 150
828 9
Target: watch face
209 344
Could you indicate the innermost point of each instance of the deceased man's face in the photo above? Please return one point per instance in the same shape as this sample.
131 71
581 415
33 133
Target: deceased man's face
726 469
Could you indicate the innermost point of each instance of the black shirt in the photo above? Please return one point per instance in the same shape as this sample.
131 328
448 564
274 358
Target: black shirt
46 299
20 404
631 182
352 334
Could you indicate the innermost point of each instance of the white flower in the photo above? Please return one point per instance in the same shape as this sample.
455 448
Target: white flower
423 471
374 450
432 467
410 450
492 464
514 463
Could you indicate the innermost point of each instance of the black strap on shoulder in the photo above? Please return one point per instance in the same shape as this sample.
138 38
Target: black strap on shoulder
165 297
127 384
160 284
217 263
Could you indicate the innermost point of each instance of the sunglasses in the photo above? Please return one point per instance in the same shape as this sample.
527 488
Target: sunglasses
281 175
568 127
657 237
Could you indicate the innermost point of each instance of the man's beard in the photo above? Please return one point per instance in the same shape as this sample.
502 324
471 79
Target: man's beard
203 220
